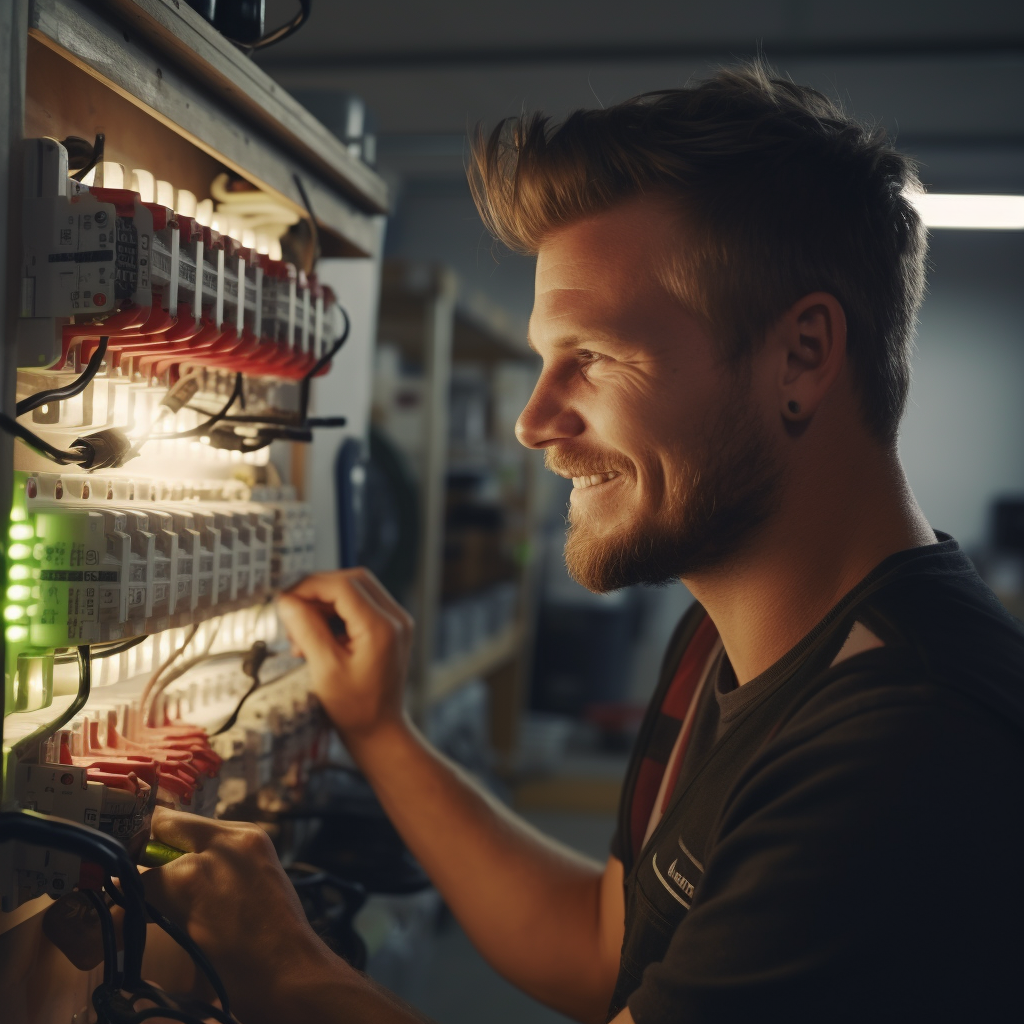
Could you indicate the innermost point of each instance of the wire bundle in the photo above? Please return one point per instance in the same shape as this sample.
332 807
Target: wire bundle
122 986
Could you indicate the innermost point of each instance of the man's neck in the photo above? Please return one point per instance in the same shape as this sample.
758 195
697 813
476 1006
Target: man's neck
826 538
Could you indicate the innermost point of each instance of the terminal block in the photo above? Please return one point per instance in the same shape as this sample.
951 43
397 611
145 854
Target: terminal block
142 560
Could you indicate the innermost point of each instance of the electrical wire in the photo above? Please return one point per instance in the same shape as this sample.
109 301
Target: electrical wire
22 746
203 428
110 971
180 670
319 365
97 155
184 940
103 650
98 848
199 958
277 34
33 440
76 387
159 671
314 230
257 654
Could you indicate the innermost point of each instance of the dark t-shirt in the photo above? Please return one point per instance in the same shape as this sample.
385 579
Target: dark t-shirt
844 842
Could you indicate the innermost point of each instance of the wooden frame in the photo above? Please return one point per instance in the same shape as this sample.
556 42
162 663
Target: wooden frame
435 321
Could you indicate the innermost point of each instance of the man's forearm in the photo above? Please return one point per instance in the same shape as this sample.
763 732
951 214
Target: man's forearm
531 906
326 993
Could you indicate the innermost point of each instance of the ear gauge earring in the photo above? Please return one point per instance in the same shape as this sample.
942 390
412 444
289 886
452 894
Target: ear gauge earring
794 407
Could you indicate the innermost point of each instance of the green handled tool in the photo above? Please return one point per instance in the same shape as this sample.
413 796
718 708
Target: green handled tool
157 854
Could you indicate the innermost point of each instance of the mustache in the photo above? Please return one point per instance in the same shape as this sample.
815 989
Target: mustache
582 462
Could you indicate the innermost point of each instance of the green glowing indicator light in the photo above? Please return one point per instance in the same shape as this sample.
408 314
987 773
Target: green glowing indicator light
22 531
18 552
19 572
14 613
18 514
19 592
16 634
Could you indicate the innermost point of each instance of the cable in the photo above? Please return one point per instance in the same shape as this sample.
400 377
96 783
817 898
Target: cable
258 654
181 669
203 428
183 939
201 960
98 848
58 455
76 387
110 972
25 744
103 650
159 671
97 155
320 364
314 230
277 34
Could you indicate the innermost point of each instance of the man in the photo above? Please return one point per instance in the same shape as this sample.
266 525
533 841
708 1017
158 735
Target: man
823 815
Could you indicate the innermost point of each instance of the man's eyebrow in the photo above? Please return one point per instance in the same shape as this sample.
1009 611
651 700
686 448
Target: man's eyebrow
577 340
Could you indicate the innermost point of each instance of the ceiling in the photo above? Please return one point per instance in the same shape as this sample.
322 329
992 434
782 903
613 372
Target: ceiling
947 78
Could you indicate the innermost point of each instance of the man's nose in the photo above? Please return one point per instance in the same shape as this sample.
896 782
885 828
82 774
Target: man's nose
548 417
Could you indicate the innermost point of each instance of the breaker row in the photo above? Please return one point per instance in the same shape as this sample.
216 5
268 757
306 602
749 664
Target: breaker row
140 559
165 290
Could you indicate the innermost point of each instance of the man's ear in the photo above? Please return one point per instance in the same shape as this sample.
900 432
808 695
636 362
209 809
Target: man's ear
809 341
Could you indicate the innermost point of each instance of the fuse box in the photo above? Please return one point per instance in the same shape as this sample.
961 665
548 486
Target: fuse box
193 251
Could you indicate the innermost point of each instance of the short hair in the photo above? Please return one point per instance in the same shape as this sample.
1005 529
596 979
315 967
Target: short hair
781 193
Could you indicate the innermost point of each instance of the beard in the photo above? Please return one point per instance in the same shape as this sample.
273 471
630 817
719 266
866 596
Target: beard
721 495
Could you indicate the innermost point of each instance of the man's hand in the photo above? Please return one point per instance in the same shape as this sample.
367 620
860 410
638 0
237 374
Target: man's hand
232 896
358 675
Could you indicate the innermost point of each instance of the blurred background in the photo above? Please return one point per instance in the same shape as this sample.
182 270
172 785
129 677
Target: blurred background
520 673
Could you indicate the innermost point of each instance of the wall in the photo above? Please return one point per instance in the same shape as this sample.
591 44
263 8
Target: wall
962 442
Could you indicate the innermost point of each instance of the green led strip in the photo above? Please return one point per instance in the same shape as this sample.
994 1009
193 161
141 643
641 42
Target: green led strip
28 682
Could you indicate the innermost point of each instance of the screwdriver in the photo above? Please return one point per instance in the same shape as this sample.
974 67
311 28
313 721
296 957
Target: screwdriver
157 854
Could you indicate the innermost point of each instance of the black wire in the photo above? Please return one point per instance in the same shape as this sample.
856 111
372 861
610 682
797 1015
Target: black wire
97 155
26 743
103 651
334 350
314 230
76 387
185 941
110 972
319 365
92 845
127 645
199 958
251 666
277 34
58 455
236 393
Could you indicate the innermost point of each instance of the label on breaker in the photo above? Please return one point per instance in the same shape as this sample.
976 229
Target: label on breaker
73 256
69 550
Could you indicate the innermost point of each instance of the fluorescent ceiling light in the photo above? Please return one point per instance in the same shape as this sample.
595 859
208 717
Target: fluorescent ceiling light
939 210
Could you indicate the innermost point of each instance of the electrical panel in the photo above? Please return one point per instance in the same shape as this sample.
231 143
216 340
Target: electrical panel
134 316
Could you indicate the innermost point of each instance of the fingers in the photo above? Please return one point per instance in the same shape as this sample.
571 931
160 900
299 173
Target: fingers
355 595
306 626
189 832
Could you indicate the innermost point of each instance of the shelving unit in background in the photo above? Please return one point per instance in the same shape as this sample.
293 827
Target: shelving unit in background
443 353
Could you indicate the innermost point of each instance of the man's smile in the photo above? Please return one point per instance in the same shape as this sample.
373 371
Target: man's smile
592 480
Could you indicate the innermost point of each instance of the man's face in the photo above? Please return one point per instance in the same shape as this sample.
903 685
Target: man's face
672 466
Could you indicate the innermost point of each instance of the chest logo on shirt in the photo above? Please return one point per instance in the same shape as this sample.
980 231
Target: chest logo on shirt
682 883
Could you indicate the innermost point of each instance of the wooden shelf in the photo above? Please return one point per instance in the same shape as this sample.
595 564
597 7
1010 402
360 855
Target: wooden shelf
447 677
160 57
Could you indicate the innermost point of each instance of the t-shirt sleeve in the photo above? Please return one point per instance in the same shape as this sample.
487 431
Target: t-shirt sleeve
844 882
